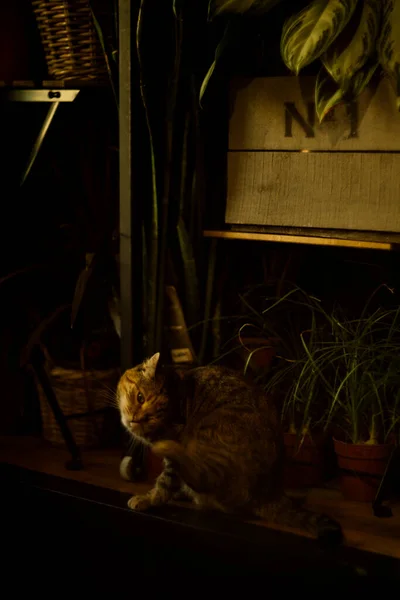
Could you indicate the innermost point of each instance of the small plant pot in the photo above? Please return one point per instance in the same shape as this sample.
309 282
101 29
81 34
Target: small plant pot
361 469
304 466
263 351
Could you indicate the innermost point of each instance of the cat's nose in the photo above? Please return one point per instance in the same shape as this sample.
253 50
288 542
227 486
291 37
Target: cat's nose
142 419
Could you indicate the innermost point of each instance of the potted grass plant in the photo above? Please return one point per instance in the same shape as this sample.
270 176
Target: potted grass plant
343 378
303 404
270 328
306 443
256 349
291 325
363 386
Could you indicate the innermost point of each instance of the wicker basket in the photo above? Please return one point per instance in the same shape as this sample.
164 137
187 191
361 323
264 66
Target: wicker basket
70 41
78 393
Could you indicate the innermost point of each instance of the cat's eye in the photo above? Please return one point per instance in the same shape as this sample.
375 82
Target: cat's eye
140 398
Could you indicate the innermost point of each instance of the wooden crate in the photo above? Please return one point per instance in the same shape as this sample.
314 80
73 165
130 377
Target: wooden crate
284 169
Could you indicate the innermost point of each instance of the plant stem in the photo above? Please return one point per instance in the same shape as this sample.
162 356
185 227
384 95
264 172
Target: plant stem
373 432
167 182
208 299
153 234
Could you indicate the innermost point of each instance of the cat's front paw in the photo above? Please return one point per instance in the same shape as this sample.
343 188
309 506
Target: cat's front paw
139 503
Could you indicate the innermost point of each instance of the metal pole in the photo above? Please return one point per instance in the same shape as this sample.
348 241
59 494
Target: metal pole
132 465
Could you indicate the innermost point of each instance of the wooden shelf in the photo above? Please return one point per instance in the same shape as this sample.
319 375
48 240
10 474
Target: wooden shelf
362 530
51 84
300 239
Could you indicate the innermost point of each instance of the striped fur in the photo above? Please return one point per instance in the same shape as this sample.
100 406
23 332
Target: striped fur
220 440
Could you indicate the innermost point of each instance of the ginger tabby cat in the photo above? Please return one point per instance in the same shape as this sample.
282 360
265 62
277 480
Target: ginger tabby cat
220 440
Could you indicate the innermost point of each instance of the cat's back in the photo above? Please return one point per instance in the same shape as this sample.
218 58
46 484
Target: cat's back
218 379
229 413
217 386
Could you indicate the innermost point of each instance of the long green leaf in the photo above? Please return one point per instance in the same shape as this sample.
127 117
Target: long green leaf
327 94
145 285
347 56
389 44
153 233
308 34
109 55
81 286
219 7
168 188
190 273
230 38
361 79
10 276
251 354
177 8
231 35
208 297
114 309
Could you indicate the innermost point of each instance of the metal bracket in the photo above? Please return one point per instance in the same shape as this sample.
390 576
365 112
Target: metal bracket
55 97
42 95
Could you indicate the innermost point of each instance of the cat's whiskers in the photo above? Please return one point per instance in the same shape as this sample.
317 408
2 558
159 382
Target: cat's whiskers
107 387
111 399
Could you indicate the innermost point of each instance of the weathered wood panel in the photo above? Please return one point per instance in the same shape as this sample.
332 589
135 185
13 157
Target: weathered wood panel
359 191
277 113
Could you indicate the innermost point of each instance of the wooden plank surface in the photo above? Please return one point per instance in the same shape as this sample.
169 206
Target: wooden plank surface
101 467
361 529
386 237
277 113
297 239
311 189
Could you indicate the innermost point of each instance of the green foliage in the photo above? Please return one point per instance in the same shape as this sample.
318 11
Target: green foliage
356 45
364 374
309 33
350 37
170 224
254 7
389 44
330 371
110 49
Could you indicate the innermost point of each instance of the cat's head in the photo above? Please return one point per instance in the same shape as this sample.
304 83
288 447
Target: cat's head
142 400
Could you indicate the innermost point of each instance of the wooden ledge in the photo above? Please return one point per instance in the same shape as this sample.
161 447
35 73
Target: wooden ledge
299 239
362 530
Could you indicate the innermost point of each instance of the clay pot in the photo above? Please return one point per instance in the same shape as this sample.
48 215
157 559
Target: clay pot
361 469
263 357
304 466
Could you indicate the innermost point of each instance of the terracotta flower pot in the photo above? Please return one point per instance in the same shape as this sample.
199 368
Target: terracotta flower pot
304 466
361 469
261 358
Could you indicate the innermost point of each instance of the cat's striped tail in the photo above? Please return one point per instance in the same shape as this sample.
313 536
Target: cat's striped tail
285 512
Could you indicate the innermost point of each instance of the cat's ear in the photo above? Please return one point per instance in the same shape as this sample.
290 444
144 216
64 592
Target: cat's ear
150 366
